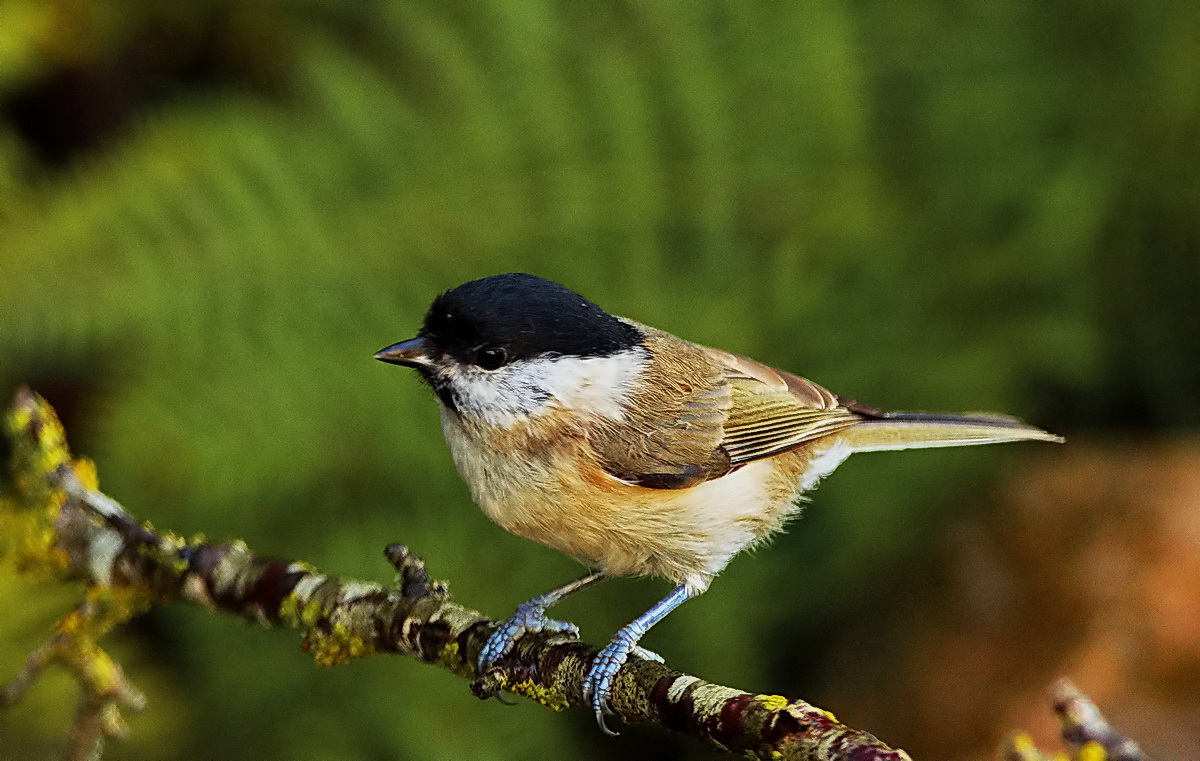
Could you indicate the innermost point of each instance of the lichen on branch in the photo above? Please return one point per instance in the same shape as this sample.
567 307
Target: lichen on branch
55 523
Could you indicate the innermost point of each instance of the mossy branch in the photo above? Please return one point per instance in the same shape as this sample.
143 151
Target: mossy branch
54 522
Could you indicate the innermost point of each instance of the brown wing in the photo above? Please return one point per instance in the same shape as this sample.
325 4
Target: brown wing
705 411
671 435
774 411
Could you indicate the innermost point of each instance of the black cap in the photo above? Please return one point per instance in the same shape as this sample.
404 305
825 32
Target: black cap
526 315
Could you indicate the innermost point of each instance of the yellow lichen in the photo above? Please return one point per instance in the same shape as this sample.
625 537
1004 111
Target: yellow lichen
451 658
337 646
1021 743
773 702
311 613
300 615
41 447
165 554
75 645
27 537
108 606
85 471
1022 746
27 516
289 610
827 714
448 657
553 699
329 648
1092 751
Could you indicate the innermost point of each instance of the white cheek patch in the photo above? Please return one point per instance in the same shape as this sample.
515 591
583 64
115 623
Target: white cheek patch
594 385
495 398
591 385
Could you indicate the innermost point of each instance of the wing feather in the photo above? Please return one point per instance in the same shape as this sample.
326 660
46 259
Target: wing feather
774 411
703 412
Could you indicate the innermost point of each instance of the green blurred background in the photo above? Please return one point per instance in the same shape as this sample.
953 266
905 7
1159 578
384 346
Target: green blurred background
213 212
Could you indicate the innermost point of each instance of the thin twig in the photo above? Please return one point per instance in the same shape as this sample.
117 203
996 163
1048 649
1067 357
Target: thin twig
1083 723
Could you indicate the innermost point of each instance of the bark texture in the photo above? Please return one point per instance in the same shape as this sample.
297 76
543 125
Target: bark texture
55 522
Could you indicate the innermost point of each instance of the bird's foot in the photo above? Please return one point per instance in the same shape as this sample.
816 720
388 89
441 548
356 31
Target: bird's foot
646 655
529 617
597 685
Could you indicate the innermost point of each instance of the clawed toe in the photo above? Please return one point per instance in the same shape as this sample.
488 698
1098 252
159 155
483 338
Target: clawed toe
646 655
507 634
597 685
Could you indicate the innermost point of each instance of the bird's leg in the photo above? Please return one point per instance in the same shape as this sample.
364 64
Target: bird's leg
598 683
530 616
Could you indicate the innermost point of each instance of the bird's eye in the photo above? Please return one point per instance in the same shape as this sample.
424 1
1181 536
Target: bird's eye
490 357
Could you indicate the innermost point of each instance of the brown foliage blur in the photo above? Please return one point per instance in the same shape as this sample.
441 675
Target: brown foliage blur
1087 563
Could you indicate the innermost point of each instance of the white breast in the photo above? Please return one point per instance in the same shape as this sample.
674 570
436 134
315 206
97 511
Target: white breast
728 514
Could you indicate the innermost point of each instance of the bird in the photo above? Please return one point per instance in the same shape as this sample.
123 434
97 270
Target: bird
632 450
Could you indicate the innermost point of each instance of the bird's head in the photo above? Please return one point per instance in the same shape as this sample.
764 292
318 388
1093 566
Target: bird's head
507 347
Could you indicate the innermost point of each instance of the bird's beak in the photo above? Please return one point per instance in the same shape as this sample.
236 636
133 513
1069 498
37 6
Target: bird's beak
412 353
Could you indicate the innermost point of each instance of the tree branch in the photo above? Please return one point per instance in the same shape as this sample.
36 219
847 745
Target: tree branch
55 522
1082 723
1084 729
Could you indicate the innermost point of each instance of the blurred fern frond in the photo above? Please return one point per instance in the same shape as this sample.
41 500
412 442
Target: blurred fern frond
918 208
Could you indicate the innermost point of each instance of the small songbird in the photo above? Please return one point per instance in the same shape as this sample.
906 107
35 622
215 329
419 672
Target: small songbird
632 450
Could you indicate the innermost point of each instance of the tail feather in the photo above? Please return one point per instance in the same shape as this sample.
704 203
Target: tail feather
910 430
